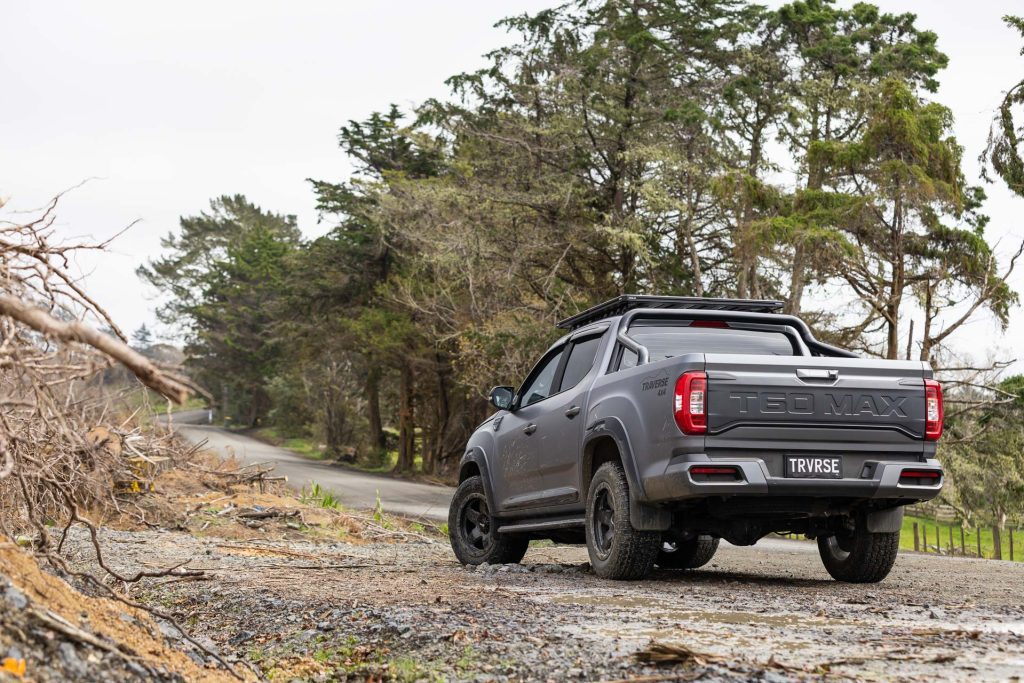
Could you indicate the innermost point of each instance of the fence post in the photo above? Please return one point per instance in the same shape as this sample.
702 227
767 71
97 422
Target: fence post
963 543
938 539
917 541
997 543
1010 530
977 531
950 540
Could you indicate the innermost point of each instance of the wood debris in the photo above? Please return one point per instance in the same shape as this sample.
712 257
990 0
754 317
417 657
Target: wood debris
667 654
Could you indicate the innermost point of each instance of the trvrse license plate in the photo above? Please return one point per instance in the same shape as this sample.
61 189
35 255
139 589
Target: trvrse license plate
814 466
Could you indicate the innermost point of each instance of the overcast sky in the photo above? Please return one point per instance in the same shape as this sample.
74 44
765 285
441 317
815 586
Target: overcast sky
167 105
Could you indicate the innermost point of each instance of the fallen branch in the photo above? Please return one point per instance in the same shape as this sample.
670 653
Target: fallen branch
268 513
55 622
667 653
74 331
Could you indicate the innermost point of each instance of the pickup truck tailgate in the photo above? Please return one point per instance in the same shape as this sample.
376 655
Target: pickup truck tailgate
814 403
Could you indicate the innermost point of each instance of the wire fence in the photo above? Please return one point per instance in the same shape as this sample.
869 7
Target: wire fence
952 538
936 529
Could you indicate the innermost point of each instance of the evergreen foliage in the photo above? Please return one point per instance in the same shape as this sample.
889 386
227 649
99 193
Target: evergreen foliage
712 148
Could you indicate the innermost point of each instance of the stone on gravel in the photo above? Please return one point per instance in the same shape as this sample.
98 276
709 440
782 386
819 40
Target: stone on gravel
15 598
241 637
169 631
71 661
208 644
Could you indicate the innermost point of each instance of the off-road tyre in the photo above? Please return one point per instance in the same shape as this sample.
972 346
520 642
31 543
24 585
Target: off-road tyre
617 550
690 554
859 557
473 532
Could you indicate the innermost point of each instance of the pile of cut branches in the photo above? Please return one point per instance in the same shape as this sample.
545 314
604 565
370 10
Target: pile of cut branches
56 458
52 356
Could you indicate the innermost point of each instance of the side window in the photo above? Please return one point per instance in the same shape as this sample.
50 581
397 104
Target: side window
540 384
629 359
581 359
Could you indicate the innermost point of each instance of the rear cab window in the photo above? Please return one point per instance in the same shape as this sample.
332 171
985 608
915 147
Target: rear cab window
580 361
668 340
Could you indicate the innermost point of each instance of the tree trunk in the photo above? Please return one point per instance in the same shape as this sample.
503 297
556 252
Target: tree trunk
686 247
406 425
377 442
258 402
892 351
796 282
334 421
926 338
747 285
798 275
443 411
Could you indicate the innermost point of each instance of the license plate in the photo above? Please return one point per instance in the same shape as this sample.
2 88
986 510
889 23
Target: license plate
814 467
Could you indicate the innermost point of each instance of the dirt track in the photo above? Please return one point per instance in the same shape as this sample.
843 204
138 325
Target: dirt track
409 612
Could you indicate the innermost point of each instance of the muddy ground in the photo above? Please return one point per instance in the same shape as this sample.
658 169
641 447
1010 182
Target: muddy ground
308 610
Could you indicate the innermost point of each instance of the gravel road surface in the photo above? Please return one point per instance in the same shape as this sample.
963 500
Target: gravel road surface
408 611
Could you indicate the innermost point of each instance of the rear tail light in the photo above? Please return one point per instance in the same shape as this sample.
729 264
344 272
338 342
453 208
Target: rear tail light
921 477
719 324
714 473
704 469
921 474
690 404
932 410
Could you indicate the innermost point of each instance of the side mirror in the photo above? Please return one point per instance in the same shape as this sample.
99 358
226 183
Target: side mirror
502 397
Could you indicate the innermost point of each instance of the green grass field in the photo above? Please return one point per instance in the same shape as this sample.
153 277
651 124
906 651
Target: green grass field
301 445
311 449
929 527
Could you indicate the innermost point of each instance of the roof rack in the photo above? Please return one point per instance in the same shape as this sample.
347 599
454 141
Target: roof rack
628 302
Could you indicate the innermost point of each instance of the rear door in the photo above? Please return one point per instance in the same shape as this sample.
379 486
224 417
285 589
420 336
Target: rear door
814 405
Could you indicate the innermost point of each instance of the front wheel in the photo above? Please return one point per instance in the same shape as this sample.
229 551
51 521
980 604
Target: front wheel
859 556
616 549
689 554
473 532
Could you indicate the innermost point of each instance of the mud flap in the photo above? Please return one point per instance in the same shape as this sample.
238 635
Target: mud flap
885 521
643 517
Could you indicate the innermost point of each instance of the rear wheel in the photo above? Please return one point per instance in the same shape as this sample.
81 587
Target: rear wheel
616 549
690 554
473 532
859 556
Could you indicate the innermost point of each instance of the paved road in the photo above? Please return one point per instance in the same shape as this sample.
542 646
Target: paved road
355 489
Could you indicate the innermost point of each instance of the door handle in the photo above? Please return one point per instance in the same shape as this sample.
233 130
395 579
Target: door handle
572 412
529 429
818 374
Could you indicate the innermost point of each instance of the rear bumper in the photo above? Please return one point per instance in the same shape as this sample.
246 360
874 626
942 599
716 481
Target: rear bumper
879 480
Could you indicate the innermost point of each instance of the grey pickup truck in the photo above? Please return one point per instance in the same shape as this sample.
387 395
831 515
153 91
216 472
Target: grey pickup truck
658 425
